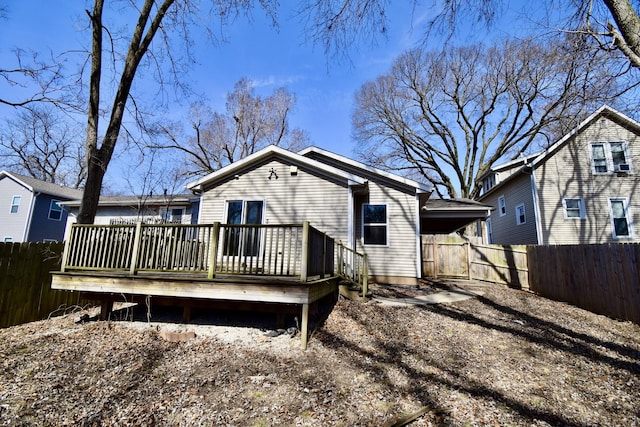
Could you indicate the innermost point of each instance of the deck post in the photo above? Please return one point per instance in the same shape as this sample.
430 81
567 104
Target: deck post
304 327
65 251
304 262
340 259
365 276
213 249
136 248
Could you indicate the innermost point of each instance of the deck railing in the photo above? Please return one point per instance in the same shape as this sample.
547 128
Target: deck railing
352 267
275 250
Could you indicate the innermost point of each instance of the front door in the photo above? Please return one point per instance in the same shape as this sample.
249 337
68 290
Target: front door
243 241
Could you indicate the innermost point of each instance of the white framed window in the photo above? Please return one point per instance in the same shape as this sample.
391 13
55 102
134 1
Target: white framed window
8 239
374 224
172 215
573 208
489 231
488 183
610 157
621 224
502 206
521 217
15 204
55 211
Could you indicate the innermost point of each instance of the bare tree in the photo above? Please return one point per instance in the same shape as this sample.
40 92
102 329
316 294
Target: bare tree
249 123
44 145
338 25
450 116
166 18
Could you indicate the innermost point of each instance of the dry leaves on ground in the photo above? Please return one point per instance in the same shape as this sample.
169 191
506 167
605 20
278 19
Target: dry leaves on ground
504 358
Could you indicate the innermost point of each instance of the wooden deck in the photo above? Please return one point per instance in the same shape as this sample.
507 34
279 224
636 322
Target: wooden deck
285 265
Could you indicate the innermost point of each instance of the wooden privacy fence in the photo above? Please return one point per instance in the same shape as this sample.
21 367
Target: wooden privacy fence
601 278
25 282
467 258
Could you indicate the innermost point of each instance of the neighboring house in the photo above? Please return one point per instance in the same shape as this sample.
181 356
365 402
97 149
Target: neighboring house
372 211
582 189
171 208
31 210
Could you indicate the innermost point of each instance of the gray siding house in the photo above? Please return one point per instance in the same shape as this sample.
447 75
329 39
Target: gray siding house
30 209
582 189
369 210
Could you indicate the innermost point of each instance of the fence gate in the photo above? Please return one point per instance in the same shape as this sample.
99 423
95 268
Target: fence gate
467 258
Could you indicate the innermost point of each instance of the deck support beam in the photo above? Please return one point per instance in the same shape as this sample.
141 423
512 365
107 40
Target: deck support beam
105 309
304 327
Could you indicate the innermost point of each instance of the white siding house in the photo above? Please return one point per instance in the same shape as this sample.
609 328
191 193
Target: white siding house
373 211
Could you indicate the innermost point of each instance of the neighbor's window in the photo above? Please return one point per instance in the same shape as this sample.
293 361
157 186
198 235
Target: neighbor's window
599 158
15 204
172 215
374 224
573 208
520 214
8 239
609 157
489 231
502 206
55 210
620 219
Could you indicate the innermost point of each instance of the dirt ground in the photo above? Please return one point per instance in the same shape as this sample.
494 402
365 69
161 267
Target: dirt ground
505 357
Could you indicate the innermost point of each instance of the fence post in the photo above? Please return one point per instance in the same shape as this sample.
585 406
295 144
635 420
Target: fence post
304 262
435 258
468 260
136 248
213 249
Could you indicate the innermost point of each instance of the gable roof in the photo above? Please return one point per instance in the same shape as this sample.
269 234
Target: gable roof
266 153
604 111
173 199
426 188
37 186
531 161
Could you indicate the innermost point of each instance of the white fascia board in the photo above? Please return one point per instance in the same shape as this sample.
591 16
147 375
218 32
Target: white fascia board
268 151
406 181
604 109
17 180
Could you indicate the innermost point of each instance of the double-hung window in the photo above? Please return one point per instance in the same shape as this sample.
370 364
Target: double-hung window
55 210
502 206
620 219
609 157
573 208
374 224
521 217
15 204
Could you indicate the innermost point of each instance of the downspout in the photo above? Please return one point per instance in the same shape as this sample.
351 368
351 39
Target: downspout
27 227
418 239
536 206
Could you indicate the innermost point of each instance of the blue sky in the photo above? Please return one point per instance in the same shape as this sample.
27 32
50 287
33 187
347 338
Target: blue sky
268 57
324 91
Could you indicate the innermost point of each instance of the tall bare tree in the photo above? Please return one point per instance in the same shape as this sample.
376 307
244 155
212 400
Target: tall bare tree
165 17
41 143
250 122
614 24
450 116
